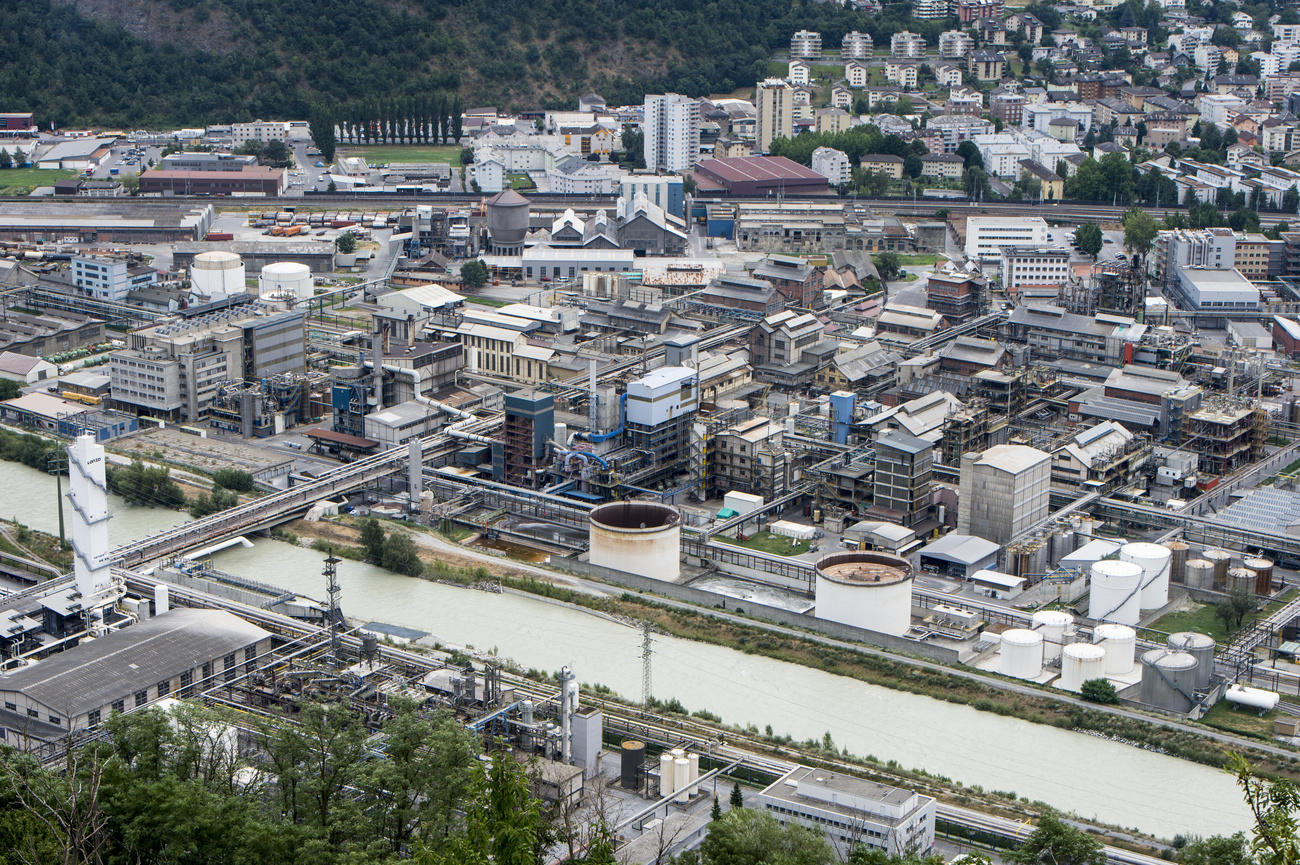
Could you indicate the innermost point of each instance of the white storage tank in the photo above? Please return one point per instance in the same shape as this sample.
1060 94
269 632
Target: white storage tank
1120 644
642 538
1115 595
1199 646
217 274
1256 698
1022 654
868 590
1081 662
682 779
694 760
1154 560
666 775
1056 627
285 280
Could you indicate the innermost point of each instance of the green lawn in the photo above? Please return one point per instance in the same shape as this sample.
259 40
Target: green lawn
1201 619
1245 720
521 181
20 181
768 543
919 259
381 154
487 301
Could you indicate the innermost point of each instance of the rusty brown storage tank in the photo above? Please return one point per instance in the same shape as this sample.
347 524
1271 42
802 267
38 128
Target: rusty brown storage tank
642 538
1177 561
1200 574
1263 569
1222 560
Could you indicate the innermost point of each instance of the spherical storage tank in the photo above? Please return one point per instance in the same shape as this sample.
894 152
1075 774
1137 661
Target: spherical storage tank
217 274
1154 560
1081 662
637 537
1116 592
1199 646
1168 680
1120 644
867 590
507 221
285 280
1054 625
1022 653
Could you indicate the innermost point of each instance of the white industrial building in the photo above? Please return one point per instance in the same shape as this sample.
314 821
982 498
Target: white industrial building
1034 267
107 278
671 132
987 235
1004 491
1214 290
852 811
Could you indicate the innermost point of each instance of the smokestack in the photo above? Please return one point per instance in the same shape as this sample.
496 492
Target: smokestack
377 358
410 333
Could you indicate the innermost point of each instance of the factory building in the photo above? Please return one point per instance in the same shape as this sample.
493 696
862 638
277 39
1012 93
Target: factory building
172 370
104 222
904 478
178 653
660 409
750 457
852 811
529 427
1004 491
110 278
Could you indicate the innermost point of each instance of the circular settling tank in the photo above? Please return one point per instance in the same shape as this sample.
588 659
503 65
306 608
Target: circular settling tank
636 537
867 590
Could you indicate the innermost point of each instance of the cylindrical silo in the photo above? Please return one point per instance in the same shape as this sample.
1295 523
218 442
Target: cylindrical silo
1263 569
1120 645
1154 560
507 222
1221 559
1177 561
1241 580
682 779
694 760
1081 662
868 590
1056 627
161 599
1022 654
1199 646
1063 543
217 274
1200 574
285 280
642 538
1168 680
632 756
1116 591
667 777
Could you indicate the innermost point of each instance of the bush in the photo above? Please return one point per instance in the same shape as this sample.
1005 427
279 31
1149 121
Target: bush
1099 691
234 479
210 503
145 486
400 555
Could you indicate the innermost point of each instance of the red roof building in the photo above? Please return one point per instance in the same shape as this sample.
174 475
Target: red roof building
252 180
758 175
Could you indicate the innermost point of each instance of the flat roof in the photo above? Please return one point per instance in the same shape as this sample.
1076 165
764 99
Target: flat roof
351 441
966 549
248 172
740 169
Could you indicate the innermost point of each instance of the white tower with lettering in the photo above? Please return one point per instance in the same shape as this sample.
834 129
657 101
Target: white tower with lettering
88 494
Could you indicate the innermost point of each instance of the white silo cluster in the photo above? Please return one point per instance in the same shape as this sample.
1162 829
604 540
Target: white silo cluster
217 274
1154 559
1057 627
1022 654
678 774
1119 642
1116 592
285 280
1081 662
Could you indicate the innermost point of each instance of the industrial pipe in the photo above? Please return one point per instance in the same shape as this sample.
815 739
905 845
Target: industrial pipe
463 417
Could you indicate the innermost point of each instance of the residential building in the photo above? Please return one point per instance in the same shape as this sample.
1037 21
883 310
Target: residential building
775 113
929 10
976 10
953 130
798 71
857 73
856 45
987 65
955 44
1214 248
262 131
901 72
883 163
110 278
1002 153
671 132
1005 492
1040 117
850 811
1007 106
833 165
806 44
907 44
947 75
948 165
832 120
1051 186
963 100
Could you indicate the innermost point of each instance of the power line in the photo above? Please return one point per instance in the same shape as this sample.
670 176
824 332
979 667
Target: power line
647 652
